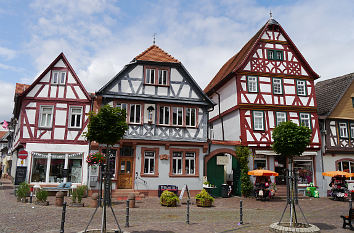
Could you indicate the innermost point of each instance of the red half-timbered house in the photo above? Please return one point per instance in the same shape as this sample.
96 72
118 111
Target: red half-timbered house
267 82
50 116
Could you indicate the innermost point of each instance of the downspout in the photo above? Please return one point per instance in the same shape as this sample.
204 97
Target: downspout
221 118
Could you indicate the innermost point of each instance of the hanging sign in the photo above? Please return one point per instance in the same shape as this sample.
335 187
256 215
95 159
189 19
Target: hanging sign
185 187
22 154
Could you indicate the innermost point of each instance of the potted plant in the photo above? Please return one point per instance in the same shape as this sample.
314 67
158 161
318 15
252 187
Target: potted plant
203 199
41 196
77 196
96 158
23 192
169 199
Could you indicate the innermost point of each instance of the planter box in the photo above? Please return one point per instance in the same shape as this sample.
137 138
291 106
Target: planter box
42 203
173 204
207 203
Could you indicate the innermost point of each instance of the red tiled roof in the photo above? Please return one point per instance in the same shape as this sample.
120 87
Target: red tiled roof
20 88
154 53
2 133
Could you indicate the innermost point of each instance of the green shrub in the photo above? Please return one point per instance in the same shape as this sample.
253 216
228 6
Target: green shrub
74 195
81 190
169 198
204 196
243 154
42 195
23 190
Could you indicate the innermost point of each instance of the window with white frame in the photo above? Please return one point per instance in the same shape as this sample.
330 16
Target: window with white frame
352 130
304 168
277 86
343 130
135 113
346 166
301 87
163 77
258 120
75 117
191 117
190 163
122 106
177 116
164 115
149 162
305 119
46 116
252 83
280 117
177 162
150 76
58 77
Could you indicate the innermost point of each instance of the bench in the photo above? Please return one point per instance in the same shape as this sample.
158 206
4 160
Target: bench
64 187
347 220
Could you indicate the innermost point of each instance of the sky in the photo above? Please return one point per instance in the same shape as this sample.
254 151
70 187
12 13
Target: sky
99 37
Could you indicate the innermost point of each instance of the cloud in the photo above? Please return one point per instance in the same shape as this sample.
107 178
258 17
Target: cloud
7 53
6 100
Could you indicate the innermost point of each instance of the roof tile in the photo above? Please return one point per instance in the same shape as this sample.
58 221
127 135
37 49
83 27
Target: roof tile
154 53
20 88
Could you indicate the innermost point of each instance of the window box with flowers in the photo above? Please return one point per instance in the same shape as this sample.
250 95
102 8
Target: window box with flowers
96 158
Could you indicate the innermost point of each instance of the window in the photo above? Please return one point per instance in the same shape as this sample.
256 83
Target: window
74 169
346 166
277 86
343 130
190 163
58 77
280 117
112 160
75 117
134 113
177 163
56 168
304 170
149 162
260 164
46 115
352 130
258 120
301 87
39 169
305 120
177 116
276 55
150 76
164 115
191 117
122 106
163 77
252 83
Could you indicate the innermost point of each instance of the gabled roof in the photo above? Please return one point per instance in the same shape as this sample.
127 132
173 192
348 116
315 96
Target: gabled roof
329 92
154 53
238 60
21 88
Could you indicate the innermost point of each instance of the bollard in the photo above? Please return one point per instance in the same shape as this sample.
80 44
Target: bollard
188 203
59 198
127 215
241 214
131 198
350 203
63 218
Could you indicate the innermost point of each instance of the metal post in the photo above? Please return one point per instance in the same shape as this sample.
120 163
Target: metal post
350 203
188 203
241 214
63 218
31 196
127 215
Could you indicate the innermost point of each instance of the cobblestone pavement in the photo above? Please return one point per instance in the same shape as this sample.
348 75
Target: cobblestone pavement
150 216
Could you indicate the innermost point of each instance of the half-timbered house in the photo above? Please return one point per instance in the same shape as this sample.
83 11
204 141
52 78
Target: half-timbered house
167 115
267 82
335 103
49 117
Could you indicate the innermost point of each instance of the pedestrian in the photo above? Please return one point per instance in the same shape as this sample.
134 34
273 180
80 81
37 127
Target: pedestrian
0 170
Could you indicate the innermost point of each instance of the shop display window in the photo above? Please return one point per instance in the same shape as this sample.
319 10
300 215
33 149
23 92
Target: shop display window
304 171
39 169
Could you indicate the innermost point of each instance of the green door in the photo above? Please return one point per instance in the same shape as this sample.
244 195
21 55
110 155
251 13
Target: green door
215 176
236 189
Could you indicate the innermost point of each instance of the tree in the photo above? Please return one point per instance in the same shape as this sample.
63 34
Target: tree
291 140
108 126
243 154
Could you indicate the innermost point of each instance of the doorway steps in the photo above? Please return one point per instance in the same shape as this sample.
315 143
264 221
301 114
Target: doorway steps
122 194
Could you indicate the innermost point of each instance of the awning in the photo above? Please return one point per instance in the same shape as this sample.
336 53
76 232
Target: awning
270 152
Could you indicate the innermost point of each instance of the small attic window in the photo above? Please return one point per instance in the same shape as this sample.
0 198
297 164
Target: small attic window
58 77
158 76
276 55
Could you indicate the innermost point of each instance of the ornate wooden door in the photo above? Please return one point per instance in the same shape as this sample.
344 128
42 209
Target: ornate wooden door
125 173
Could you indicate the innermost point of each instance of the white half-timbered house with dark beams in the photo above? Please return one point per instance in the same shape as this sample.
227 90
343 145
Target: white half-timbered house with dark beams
167 114
50 116
335 104
267 82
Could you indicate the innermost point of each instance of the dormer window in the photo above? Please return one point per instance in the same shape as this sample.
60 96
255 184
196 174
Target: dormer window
58 77
162 78
276 55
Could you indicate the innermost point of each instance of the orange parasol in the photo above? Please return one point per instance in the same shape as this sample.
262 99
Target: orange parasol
261 172
337 173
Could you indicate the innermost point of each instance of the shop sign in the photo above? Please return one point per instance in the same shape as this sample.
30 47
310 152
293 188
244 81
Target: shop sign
222 160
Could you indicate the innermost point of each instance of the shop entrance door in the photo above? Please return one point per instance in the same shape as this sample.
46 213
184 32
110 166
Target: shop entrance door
125 173
280 166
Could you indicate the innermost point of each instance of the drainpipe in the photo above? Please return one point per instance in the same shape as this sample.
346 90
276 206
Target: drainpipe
221 118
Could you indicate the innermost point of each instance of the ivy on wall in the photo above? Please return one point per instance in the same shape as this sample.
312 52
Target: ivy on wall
243 153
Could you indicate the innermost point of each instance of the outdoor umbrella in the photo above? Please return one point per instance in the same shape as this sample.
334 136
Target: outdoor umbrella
337 173
261 172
